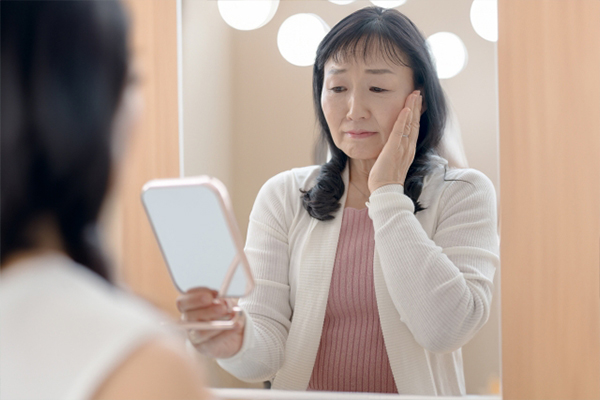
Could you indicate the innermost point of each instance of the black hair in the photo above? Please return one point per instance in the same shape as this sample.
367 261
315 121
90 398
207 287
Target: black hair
64 68
399 40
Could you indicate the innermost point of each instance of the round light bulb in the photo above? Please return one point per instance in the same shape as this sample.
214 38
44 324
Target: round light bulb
341 2
247 15
449 53
299 37
388 3
484 18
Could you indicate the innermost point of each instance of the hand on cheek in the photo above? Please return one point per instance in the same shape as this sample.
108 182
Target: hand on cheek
398 153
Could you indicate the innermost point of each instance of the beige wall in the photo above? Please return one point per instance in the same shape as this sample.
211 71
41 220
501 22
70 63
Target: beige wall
152 153
248 113
207 93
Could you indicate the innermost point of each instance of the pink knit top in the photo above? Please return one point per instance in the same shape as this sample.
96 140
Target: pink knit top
352 355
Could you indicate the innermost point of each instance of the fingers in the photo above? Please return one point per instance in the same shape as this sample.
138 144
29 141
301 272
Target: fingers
414 126
399 129
219 344
213 312
408 120
399 151
414 104
196 298
411 127
201 304
222 344
200 338
218 312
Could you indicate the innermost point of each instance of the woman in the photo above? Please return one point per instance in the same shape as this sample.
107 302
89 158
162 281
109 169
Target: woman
374 269
69 98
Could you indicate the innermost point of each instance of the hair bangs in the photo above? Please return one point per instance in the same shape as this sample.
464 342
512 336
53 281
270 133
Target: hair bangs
367 45
372 34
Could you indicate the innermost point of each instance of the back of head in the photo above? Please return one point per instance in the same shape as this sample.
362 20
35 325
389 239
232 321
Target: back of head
64 67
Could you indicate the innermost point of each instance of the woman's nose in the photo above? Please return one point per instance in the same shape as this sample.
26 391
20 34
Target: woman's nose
357 109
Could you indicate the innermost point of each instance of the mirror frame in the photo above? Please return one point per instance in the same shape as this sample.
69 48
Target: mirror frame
532 155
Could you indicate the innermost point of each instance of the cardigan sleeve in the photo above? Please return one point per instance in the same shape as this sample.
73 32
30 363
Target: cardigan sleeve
441 287
267 308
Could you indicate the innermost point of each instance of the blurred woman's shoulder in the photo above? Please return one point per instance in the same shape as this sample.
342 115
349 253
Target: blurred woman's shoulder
55 277
68 330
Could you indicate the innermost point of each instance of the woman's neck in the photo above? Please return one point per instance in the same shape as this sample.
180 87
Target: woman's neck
359 172
45 237
358 189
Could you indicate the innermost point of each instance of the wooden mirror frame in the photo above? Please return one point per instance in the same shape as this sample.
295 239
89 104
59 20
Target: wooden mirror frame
549 86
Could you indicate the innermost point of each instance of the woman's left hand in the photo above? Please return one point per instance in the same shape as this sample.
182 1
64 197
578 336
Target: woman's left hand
398 153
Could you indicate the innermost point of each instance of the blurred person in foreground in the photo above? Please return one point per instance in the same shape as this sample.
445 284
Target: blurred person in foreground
69 99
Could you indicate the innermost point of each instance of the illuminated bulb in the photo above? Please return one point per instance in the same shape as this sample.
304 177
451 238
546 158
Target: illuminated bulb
484 18
341 2
449 53
246 15
299 37
388 3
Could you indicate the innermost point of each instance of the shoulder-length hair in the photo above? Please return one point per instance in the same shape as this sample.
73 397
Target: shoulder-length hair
64 68
392 35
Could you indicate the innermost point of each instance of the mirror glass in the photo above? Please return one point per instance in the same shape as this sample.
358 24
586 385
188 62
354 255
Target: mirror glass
190 225
248 115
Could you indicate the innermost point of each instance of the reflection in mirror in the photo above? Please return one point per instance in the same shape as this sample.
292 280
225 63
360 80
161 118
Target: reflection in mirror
190 223
248 115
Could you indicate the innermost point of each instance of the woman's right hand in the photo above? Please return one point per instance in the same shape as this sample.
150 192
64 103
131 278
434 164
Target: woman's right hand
202 305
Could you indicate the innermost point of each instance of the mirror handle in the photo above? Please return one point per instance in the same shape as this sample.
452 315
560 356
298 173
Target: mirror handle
221 325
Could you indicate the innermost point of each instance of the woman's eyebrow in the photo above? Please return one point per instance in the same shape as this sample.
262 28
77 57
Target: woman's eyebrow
335 71
378 71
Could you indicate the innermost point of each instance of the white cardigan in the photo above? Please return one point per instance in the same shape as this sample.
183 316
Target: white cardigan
433 275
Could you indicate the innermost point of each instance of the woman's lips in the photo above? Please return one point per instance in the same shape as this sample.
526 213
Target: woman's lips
360 134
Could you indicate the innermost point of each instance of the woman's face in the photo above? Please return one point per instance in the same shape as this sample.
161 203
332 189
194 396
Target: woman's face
361 100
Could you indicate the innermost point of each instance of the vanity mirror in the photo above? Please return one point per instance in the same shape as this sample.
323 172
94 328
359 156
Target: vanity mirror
247 110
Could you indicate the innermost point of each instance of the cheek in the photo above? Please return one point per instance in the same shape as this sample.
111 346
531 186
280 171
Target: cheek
328 108
332 113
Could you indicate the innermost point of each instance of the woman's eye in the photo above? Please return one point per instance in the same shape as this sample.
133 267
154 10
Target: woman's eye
337 89
377 89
